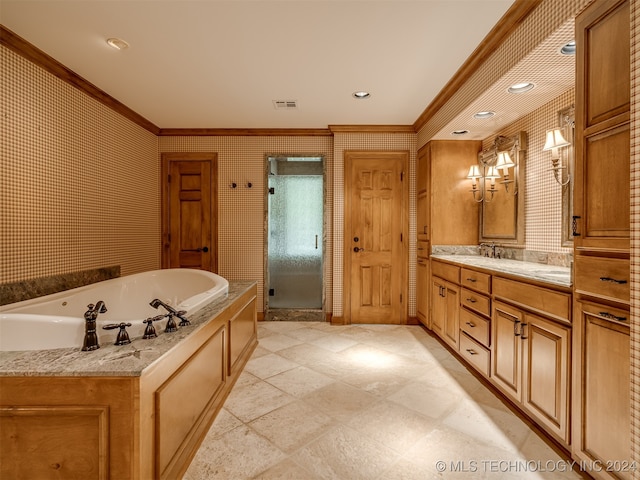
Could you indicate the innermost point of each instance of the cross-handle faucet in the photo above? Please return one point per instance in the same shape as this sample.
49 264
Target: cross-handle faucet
90 316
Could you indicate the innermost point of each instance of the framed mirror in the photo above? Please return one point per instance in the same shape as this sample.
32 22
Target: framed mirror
502 206
566 121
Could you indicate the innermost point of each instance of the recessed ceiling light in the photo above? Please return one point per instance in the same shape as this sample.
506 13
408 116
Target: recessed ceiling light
520 87
459 132
569 48
361 95
487 114
117 43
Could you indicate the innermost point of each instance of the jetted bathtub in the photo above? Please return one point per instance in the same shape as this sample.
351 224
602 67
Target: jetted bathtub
57 320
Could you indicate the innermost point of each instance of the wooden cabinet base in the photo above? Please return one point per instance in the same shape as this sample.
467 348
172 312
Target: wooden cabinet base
138 427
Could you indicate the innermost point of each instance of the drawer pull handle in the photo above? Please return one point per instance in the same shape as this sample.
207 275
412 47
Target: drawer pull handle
471 324
472 351
471 300
611 316
472 280
612 280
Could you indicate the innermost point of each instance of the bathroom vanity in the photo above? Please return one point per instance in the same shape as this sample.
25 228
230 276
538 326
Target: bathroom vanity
138 411
511 322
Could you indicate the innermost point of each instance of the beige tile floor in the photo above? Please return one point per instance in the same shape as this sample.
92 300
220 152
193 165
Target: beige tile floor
385 402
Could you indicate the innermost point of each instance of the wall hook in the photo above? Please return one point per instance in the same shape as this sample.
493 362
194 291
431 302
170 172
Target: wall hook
249 184
234 185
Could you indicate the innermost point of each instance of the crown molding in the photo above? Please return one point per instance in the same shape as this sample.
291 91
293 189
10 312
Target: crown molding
511 20
244 132
25 49
371 129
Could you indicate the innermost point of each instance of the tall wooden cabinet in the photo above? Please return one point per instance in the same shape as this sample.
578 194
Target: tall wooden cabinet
601 376
423 215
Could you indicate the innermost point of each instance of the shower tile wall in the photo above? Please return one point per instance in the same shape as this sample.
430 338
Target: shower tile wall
70 171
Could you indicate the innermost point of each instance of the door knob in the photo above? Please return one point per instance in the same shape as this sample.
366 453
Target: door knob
203 249
356 249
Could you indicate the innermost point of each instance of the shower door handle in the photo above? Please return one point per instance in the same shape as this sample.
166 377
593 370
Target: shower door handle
316 242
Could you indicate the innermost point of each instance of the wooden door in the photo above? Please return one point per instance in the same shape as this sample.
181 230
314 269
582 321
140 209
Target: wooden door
189 219
452 317
602 405
422 290
546 373
375 235
438 305
506 372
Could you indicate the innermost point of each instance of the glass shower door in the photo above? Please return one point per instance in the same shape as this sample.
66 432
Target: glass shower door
295 241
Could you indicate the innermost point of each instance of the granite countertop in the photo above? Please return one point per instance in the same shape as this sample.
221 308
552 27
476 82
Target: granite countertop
540 272
111 360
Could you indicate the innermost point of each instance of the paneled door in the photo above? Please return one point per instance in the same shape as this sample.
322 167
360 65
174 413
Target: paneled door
375 237
189 210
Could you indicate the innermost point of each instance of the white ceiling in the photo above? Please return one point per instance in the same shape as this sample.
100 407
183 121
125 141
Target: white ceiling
220 64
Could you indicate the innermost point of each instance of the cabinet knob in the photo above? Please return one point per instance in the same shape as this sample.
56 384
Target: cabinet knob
472 351
471 300
472 280
471 324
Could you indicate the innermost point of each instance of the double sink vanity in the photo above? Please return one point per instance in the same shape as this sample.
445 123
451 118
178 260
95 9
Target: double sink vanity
511 322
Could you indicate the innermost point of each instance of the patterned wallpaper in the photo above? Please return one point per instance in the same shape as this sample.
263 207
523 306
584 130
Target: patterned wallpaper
72 196
70 182
635 233
241 211
543 196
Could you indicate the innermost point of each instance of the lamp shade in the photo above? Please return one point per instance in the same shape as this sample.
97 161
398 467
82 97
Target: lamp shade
504 161
474 172
555 140
492 172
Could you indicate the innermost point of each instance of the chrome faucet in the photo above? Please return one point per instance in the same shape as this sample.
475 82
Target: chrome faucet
171 324
90 335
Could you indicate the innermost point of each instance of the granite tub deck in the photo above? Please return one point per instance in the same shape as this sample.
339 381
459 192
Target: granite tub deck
530 271
137 411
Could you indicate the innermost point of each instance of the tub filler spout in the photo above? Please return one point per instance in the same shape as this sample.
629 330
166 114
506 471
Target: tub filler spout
171 324
90 335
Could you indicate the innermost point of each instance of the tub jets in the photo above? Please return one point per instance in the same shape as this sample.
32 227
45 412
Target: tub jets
171 324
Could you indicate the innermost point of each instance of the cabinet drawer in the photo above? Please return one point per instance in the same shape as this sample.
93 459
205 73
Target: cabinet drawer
475 326
422 249
475 354
476 302
602 277
446 271
541 300
475 280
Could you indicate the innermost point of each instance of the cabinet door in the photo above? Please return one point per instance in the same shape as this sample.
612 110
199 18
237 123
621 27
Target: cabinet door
506 326
422 291
601 189
438 305
602 428
452 317
423 192
545 376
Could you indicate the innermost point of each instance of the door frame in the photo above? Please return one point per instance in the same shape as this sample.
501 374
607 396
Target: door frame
166 159
325 219
349 156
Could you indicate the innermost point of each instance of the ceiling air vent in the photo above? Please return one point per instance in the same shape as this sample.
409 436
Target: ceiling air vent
285 104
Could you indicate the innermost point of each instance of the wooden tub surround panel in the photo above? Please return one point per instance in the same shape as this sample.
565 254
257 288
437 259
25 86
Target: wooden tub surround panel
138 427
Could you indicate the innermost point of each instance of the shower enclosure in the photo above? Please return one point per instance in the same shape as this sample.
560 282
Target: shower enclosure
295 237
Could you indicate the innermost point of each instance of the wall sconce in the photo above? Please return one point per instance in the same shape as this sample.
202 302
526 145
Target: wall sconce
555 140
474 175
503 154
504 163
